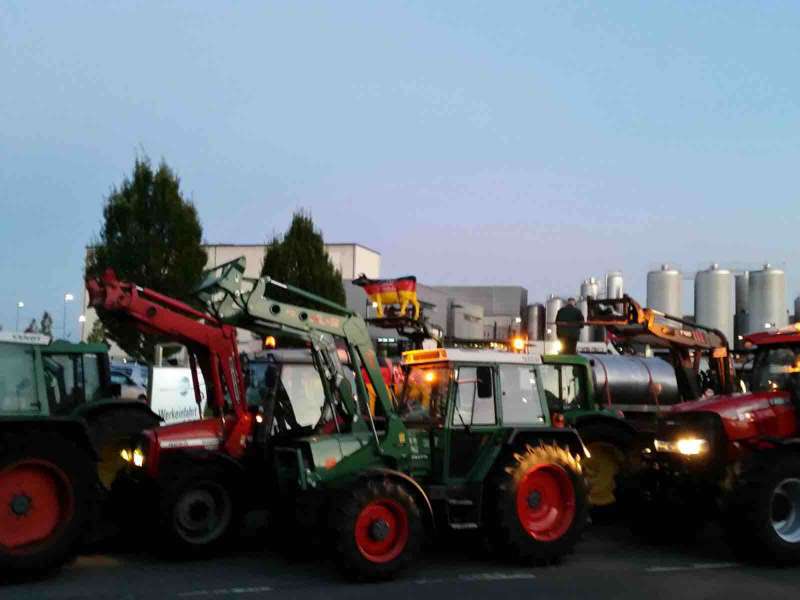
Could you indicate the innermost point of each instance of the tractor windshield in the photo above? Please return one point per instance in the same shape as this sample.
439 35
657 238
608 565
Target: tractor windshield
424 397
776 368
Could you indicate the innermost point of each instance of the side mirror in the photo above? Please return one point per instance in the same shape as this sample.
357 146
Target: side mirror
484 382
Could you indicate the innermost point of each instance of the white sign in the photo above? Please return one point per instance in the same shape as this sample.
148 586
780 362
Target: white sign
24 338
171 394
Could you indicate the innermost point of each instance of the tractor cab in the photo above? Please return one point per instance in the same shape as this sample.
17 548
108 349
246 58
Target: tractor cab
51 379
459 405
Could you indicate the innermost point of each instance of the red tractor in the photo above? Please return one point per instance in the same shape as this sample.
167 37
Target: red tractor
736 456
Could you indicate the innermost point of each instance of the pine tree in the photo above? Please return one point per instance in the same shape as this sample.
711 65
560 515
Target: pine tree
299 258
151 236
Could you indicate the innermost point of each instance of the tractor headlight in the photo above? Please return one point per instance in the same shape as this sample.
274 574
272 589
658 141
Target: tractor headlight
686 446
136 457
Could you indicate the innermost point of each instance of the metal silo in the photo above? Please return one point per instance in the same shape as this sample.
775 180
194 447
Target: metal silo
614 284
586 334
742 283
590 287
535 322
664 291
767 299
713 299
552 306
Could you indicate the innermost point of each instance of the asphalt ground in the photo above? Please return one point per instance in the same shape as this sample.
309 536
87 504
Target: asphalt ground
608 563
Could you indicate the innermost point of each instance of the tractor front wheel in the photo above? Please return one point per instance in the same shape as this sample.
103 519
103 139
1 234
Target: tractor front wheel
198 512
540 505
377 530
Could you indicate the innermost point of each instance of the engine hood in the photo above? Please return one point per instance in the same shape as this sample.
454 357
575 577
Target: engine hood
207 434
748 415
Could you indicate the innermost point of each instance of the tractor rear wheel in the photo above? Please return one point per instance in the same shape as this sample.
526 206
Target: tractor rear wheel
377 530
111 431
46 486
540 505
608 448
763 521
198 511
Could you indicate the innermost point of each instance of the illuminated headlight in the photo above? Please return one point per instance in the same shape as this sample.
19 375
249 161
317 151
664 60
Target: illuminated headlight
685 446
138 457
135 457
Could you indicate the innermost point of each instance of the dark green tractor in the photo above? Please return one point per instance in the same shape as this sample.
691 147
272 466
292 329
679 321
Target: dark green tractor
569 385
469 445
61 431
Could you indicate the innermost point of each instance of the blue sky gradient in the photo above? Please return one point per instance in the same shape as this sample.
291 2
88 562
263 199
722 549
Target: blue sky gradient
532 143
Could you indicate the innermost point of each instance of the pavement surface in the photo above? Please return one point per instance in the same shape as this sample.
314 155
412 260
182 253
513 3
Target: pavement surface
608 563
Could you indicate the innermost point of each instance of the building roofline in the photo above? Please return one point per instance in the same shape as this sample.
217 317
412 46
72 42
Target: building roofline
216 245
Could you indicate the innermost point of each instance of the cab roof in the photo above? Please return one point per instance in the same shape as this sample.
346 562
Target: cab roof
785 335
459 355
59 346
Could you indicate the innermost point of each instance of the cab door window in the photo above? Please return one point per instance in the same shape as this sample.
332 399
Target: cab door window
520 395
17 389
474 403
563 386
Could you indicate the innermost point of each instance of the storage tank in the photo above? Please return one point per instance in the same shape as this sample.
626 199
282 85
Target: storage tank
535 322
590 287
713 299
742 282
664 290
766 296
614 284
552 306
797 310
625 380
586 333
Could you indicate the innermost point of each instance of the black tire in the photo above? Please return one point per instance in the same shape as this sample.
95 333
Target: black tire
49 482
539 476
199 512
609 445
377 530
110 431
762 521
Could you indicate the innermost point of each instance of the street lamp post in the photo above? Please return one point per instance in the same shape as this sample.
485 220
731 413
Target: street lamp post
67 298
82 320
20 304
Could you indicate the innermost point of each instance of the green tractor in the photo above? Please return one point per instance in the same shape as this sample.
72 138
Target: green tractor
468 445
61 432
569 384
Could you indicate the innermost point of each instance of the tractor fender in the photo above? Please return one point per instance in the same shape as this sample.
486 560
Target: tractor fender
93 409
611 420
70 428
536 435
416 489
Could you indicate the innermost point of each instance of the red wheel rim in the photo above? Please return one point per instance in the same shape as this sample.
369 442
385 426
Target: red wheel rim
546 502
381 530
35 502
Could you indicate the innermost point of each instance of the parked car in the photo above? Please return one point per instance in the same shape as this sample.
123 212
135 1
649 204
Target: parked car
129 389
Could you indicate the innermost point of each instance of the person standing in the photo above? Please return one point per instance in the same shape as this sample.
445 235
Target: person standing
569 320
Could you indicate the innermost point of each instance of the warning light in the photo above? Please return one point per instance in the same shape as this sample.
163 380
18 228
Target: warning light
430 376
269 342
518 344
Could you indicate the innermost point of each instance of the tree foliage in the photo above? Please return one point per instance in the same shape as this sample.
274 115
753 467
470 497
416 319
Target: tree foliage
151 236
46 324
299 258
98 334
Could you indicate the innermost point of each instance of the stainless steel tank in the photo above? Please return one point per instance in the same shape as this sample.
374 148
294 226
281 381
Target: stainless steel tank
552 306
614 282
664 289
590 288
713 299
767 299
536 320
586 333
742 283
625 380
